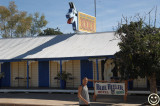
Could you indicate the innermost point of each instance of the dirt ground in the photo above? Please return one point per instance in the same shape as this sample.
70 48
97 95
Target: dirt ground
55 99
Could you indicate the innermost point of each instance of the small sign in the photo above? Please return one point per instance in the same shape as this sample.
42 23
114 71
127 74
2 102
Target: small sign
86 23
110 88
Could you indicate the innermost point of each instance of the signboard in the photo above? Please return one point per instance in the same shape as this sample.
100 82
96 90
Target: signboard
86 23
110 88
81 22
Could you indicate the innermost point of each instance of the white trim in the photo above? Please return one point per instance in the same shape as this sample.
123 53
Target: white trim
93 60
29 62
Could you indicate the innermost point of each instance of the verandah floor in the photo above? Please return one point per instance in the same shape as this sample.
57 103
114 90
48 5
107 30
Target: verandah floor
58 90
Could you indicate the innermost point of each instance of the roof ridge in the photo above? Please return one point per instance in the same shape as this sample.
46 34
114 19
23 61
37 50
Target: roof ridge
58 35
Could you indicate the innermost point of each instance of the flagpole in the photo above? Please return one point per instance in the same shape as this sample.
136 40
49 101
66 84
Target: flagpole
95 7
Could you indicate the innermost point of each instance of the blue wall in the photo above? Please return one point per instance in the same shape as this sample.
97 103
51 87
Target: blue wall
43 67
87 71
5 67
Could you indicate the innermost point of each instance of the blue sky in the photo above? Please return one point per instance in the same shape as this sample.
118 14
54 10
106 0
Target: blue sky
109 12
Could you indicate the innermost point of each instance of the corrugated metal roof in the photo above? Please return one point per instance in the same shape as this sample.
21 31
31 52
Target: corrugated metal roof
59 46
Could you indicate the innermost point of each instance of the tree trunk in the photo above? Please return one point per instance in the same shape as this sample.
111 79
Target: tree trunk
153 86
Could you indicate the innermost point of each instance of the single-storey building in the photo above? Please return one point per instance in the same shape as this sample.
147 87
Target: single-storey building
33 62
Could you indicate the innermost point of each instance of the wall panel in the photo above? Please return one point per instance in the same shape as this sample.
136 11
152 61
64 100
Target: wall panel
14 74
54 69
140 83
33 74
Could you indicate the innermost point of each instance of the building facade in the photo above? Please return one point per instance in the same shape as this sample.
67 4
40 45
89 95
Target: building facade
34 62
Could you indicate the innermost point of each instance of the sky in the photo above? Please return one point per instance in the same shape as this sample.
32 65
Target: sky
109 12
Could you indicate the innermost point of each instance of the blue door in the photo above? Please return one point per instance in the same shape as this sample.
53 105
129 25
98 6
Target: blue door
5 67
87 71
43 67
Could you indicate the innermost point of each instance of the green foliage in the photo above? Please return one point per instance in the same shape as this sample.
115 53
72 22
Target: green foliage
51 31
4 14
38 22
15 23
139 53
23 25
64 76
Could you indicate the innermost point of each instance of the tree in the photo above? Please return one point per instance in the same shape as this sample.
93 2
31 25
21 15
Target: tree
4 14
51 31
13 18
14 23
38 22
23 25
139 53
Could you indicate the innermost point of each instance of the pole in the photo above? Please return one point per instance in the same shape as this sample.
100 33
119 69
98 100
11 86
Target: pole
27 74
61 74
95 7
97 69
94 96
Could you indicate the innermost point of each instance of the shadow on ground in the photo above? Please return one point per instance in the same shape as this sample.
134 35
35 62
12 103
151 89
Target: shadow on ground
102 100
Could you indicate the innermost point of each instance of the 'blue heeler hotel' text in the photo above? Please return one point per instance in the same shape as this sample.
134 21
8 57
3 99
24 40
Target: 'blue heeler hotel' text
109 87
